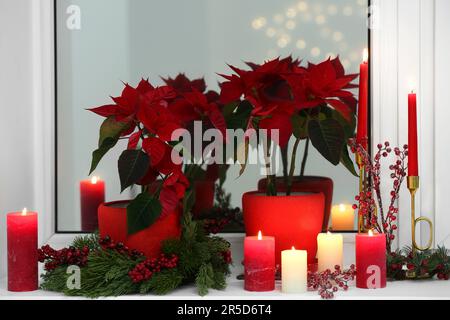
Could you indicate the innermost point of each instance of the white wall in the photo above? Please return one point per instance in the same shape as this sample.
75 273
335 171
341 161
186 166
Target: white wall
442 116
411 46
16 113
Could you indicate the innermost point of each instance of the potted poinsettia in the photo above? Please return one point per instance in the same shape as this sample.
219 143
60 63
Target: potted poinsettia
195 103
311 104
147 117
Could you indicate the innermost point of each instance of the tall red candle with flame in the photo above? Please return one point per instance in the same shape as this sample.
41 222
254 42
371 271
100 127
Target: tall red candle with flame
259 263
413 162
22 235
361 135
92 195
370 260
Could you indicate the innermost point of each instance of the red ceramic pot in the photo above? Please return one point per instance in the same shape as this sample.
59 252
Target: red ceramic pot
112 222
204 197
293 220
307 184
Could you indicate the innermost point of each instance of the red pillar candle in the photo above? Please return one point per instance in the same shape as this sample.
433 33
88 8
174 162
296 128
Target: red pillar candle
361 135
259 263
370 261
413 163
22 237
92 195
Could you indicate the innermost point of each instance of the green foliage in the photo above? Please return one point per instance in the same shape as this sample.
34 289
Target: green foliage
133 165
328 137
89 240
106 273
205 279
110 132
409 264
162 282
142 212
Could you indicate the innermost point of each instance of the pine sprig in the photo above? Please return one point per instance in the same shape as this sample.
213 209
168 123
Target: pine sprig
409 264
91 241
200 259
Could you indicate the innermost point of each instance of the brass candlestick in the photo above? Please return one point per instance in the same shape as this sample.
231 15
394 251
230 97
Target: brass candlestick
413 186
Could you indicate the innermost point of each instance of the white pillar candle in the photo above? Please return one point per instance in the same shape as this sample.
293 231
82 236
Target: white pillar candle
343 218
294 271
329 251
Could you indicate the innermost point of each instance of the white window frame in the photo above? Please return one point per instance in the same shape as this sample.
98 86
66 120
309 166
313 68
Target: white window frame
395 35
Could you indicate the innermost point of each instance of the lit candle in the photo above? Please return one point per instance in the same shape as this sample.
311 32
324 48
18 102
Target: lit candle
413 163
329 251
342 218
22 237
370 260
294 271
92 195
259 263
361 136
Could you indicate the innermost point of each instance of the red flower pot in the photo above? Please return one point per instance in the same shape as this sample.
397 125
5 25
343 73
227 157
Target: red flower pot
112 222
204 197
307 184
293 220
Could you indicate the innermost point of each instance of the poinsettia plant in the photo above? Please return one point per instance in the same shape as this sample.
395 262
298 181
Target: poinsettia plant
147 117
313 103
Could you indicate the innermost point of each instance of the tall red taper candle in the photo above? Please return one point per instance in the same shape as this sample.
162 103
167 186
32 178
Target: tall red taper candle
370 260
413 163
92 195
361 135
22 235
259 263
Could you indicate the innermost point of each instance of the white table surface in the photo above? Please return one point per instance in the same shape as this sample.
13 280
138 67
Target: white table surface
410 290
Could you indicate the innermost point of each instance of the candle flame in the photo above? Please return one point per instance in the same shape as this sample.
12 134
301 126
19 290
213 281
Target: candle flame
259 235
342 207
24 211
293 248
94 180
366 55
328 233
370 233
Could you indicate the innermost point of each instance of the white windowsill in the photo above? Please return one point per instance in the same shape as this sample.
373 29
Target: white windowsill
432 289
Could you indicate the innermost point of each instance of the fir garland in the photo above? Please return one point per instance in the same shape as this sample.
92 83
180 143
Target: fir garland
407 264
110 269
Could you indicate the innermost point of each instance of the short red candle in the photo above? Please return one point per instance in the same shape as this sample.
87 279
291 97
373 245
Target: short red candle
370 261
361 135
92 195
259 263
413 163
22 235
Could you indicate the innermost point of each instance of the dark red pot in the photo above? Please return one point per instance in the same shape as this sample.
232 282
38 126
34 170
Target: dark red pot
293 220
204 197
307 184
112 222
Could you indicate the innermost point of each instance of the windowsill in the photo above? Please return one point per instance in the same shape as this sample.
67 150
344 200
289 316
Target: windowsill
432 289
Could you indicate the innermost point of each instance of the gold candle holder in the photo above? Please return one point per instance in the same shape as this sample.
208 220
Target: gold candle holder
413 186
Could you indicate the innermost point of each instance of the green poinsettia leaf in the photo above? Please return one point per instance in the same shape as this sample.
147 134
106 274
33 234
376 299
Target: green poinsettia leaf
328 137
300 126
133 165
142 212
348 162
110 132
239 117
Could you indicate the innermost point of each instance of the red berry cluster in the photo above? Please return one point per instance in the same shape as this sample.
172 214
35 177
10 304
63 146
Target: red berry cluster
215 226
327 283
145 270
370 202
108 244
226 255
64 257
